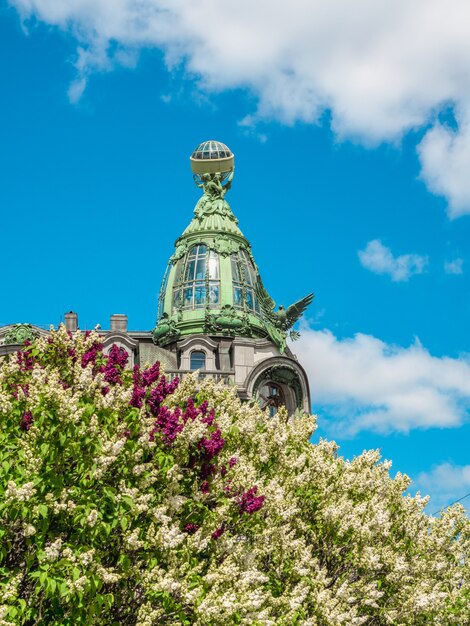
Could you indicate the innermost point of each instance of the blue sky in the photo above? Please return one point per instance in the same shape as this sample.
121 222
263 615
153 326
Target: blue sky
351 182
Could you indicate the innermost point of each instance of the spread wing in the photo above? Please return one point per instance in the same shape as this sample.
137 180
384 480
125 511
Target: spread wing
295 310
267 304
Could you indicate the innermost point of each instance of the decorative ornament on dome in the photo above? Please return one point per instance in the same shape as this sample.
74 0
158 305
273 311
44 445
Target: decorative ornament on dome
213 166
279 323
212 157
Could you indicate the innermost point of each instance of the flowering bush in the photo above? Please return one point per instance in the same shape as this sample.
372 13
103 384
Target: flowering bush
129 499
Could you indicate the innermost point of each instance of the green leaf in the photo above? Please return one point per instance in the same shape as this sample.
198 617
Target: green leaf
63 589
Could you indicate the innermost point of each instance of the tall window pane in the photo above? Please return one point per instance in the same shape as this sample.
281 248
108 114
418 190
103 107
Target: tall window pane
213 265
197 278
198 360
244 283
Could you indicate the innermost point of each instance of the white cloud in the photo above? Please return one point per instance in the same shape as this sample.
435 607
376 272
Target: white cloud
365 384
454 267
382 67
445 483
379 259
445 159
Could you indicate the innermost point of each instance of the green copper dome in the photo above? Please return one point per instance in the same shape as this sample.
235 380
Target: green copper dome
212 285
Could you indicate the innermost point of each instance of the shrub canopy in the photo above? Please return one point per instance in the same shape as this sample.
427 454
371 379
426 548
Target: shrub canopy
128 499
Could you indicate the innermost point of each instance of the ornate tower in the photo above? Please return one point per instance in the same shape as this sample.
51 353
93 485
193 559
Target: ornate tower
214 314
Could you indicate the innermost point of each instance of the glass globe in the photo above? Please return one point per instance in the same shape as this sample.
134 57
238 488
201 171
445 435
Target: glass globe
211 157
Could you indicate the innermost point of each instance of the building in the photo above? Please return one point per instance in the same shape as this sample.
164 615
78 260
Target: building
214 314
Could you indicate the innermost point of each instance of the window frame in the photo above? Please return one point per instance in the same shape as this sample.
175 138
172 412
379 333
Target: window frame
201 352
197 280
244 278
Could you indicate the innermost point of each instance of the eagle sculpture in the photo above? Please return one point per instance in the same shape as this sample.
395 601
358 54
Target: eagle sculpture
279 322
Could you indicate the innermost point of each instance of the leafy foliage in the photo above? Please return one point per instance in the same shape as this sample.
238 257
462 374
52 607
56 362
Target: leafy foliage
128 499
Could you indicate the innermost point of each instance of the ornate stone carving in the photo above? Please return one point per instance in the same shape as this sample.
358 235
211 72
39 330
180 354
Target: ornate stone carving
228 322
182 247
165 331
222 244
19 333
213 200
225 245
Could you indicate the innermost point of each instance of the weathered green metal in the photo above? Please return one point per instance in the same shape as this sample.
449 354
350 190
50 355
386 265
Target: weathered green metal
19 333
215 226
279 322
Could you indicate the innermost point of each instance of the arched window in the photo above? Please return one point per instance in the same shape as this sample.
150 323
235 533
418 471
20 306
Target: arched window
244 283
197 360
271 397
197 280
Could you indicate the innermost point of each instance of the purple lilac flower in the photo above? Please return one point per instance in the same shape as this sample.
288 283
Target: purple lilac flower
116 362
168 423
218 533
138 392
249 502
209 419
191 528
159 393
207 470
191 412
212 446
26 421
25 361
118 356
205 487
91 354
148 377
231 462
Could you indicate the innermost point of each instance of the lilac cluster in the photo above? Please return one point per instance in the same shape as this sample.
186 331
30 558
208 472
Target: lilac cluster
91 354
171 423
209 418
218 533
159 393
191 528
212 446
113 364
249 502
25 360
168 424
144 380
138 392
26 421
24 387
148 377
116 362
205 487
